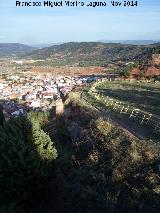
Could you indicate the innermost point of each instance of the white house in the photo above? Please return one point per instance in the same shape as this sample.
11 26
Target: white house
35 104
47 95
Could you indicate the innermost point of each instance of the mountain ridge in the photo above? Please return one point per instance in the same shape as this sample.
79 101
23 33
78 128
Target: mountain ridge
14 49
94 51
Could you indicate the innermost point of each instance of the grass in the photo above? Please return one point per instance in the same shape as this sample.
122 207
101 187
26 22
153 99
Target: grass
145 96
134 124
116 172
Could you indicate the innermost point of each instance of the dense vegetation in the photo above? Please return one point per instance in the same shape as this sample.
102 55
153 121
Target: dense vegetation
94 53
26 163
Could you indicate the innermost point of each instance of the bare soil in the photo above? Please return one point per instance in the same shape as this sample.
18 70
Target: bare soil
72 71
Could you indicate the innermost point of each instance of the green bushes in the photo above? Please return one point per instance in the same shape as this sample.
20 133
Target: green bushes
26 160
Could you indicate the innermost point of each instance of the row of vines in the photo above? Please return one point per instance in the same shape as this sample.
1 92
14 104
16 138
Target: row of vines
142 117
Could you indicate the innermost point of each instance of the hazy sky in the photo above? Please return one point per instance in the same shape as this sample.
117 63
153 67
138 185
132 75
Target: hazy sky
51 25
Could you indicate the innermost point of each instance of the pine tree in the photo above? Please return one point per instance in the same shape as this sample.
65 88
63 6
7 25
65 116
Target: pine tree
26 159
1 116
43 143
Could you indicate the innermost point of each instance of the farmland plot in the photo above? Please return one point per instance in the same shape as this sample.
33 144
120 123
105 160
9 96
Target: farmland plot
145 96
136 105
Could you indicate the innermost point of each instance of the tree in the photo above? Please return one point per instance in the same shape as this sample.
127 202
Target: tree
26 161
125 72
43 143
2 119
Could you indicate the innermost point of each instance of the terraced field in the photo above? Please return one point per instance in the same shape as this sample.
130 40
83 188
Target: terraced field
135 105
145 96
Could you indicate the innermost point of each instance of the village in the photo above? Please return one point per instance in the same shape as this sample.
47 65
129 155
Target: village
24 87
21 93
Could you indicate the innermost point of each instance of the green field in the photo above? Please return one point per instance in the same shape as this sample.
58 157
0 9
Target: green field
145 96
134 105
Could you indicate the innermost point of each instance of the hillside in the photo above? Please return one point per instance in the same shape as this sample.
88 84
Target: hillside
93 53
134 42
14 49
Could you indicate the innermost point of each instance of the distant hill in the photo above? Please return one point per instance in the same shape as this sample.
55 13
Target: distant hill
156 44
14 49
93 53
43 45
133 42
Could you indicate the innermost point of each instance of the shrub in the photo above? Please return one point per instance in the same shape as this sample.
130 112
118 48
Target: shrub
27 154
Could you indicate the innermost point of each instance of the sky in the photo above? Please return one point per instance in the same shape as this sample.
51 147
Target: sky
42 25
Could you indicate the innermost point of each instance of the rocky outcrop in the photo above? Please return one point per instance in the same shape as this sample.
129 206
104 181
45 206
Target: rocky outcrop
156 59
152 71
